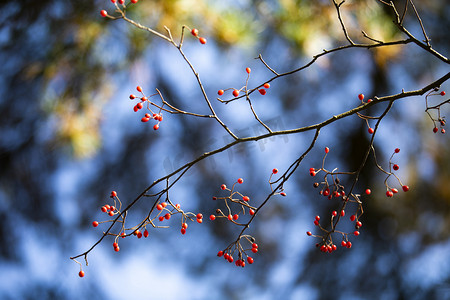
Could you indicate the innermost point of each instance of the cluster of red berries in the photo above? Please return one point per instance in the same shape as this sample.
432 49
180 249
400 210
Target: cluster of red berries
327 246
335 190
163 213
233 197
390 191
148 116
241 261
235 92
104 13
439 120
194 32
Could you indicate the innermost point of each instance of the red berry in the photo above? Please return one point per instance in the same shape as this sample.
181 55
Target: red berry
342 213
220 253
167 216
267 85
144 119
199 221
309 233
103 13
316 222
326 192
334 247
248 70
199 216
81 274
156 127
368 191
117 249
184 225
161 218
235 93
164 204
235 216
254 250
334 213
202 40
246 198
442 130
394 190
230 217
254 245
194 32
240 180
139 89
283 194
159 207
113 194
356 233
134 1
369 100
349 245
397 150
95 223
312 173
104 209
435 129
223 186
405 188
249 260
132 97
389 194
212 217
220 92
395 167
370 130
183 231
146 233
317 218
344 244
140 106
135 108
327 149
361 97
358 224
443 93
275 171
262 91
352 218
251 212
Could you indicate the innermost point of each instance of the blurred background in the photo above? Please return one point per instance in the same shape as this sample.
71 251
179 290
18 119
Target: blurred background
68 136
